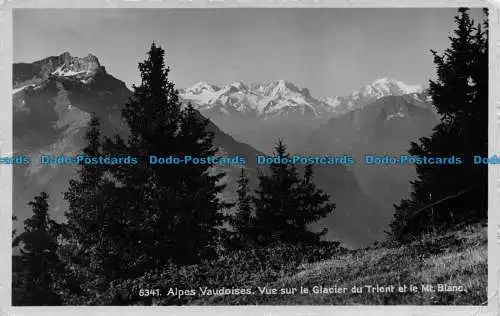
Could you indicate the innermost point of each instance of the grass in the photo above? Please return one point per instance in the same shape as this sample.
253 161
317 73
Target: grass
458 258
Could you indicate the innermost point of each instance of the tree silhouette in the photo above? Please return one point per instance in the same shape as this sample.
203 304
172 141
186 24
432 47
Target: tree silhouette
171 212
313 205
285 204
94 230
460 95
243 222
38 265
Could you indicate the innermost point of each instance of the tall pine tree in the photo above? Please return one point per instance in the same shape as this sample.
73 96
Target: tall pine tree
171 212
38 265
447 194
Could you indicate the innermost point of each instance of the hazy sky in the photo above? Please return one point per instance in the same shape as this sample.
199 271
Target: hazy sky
330 51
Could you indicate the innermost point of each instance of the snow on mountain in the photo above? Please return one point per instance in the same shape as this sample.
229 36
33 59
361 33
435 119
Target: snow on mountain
277 98
283 98
259 114
71 65
333 101
202 87
83 69
239 85
65 72
394 87
381 87
14 91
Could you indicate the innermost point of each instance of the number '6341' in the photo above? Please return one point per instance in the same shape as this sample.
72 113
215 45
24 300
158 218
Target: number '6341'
149 292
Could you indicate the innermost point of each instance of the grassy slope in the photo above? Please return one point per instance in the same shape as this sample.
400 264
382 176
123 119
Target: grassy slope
455 258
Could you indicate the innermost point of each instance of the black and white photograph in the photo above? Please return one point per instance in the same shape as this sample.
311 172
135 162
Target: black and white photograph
250 156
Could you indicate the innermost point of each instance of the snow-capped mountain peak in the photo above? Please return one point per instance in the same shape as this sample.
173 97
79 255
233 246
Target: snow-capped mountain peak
395 87
239 85
284 98
379 88
67 65
280 87
201 87
276 98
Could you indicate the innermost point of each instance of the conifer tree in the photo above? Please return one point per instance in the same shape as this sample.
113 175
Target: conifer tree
199 189
243 221
285 204
171 212
275 199
38 264
313 205
94 229
460 95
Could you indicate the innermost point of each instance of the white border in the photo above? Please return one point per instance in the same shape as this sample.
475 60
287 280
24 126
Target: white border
6 59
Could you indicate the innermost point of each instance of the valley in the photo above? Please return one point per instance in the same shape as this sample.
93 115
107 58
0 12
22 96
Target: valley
55 97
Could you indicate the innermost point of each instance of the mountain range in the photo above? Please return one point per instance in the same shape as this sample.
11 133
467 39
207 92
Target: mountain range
53 100
259 114
382 117
283 98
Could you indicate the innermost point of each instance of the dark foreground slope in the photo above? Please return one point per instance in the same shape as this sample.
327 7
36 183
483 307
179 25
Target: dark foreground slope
458 258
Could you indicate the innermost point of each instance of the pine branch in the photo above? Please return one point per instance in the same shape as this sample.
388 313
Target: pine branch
429 206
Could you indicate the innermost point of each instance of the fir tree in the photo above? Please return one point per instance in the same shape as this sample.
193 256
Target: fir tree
285 204
275 199
38 265
314 204
460 95
171 212
94 229
243 220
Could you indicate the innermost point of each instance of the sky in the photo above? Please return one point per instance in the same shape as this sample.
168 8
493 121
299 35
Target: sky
330 51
